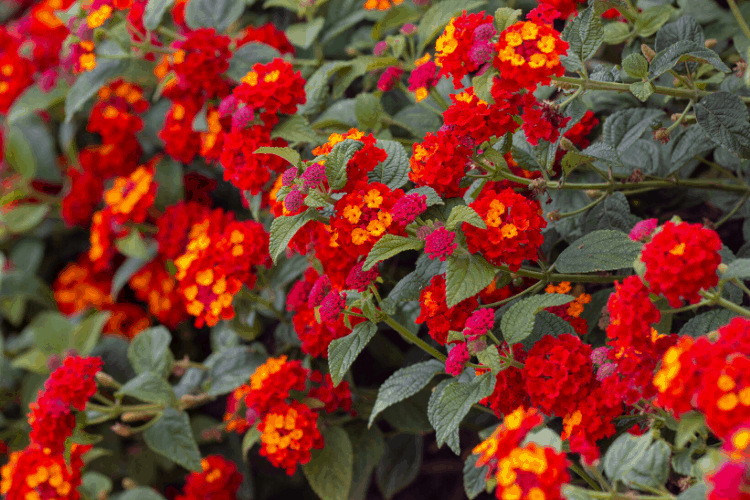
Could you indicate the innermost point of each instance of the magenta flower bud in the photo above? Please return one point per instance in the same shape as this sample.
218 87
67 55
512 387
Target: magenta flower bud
389 78
457 359
481 52
479 322
287 178
358 279
380 48
408 29
294 200
331 307
242 118
227 106
643 229
406 209
605 371
476 346
314 175
599 355
47 80
251 416
439 244
54 362
320 289
484 32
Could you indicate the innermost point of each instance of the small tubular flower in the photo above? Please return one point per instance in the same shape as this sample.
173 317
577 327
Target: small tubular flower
130 197
439 244
458 41
440 162
288 434
199 62
271 382
457 358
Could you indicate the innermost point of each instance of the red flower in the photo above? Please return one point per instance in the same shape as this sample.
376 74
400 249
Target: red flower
457 358
510 387
16 73
271 382
130 197
334 398
731 480
478 121
593 419
157 288
459 41
514 228
681 260
219 480
51 422
268 34
105 229
389 78
39 473
174 226
79 286
125 319
200 61
439 162
85 193
628 330
564 7
543 122
180 141
272 89
423 77
242 167
288 436
436 313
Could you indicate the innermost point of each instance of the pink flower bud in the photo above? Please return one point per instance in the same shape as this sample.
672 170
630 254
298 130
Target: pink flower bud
319 291
294 200
457 359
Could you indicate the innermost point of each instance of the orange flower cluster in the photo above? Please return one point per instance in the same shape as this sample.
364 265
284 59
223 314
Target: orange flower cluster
288 435
218 480
570 312
464 47
38 474
529 472
435 312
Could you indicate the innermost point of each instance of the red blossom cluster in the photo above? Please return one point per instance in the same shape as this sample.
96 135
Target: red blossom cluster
219 480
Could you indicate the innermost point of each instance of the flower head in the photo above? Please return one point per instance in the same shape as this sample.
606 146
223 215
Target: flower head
435 312
288 434
457 358
218 479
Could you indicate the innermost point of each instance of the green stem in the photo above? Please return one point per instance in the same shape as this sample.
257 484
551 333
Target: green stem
351 313
570 99
740 284
686 308
414 339
716 167
624 87
581 210
731 213
438 98
512 362
682 116
738 16
533 288
579 470
726 304
145 426
171 34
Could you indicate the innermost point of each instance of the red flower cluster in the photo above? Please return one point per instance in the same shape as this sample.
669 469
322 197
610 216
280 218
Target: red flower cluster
288 435
39 473
681 260
464 46
440 162
732 479
268 34
514 228
423 77
436 313
199 62
219 480
510 386
478 121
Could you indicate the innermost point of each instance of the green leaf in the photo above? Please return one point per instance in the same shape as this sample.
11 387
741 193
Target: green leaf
284 228
613 213
623 128
172 437
246 56
316 89
342 352
140 493
432 197
456 402
251 437
505 17
368 110
690 423
51 332
585 34
89 83
684 51
85 336
642 90
685 28
304 34
25 217
724 119
19 153
571 492
400 463
33 146
32 360
518 322
615 33
490 358
453 439
168 177
404 383
635 65
288 154
149 351
388 246
337 161
133 245
465 277
696 492
603 152
604 250
369 446
739 268
329 471
650 20
463 213
149 387
544 437
155 10
686 146
411 285
638 461
217 14
295 130
230 368
95 485
707 322
394 171
546 323
126 271
474 477
439 15
418 120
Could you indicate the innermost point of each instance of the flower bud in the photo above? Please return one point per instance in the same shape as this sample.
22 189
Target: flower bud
662 135
554 215
287 179
567 145
54 362
105 380
227 106
408 29
648 52
380 48
294 200
129 484
710 43
242 118
122 430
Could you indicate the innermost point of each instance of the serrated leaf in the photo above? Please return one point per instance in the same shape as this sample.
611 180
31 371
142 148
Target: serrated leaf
707 322
724 119
149 351
394 170
546 323
465 277
432 197
615 33
474 477
154 12
650 20
623 128
505 17
463 213
288 154
686 146
295 130
85 336
518 322
490 358
284 228
171 436
452 441
585 34
329 471
638 461
230 368
739 268
603 152
342 352
684 28
613 213
247 55
388 246
439 15
337 161
89 83
635 65
217 14
684 51
604 250
149 387
642 90
645 155
456 402
400 464
368 110
304 34
404 383
251 437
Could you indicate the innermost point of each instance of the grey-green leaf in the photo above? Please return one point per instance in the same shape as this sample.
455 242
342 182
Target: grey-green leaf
684 51
604 250
337 161
724 119
400 464
154 12
474 477
149 387
456 402
217 14
172 437
463 213
518 322
342 352
329 471
388 246
466 276
284 228
404 383
394 170
247 55
149 351
288 154
707 322
585 34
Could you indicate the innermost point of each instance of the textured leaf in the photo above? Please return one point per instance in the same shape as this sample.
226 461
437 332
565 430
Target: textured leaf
172 437
644 154
707 322
490 358
284 228
394 171
388 246
369 447
585 34
434 20
465 277
368 110
546 323
463 213
295 130
245 57
623 128
154 12
635 65
217 14
691 142
613 213
149 387
456 402
615 32
432 407
432 197
412 284
739 268
505 17
474 477
288 154
231 368
638 461
604 250
518 322
89 83
650 20
603 152
329 471
418 120
642 90
684 51
337 160
342 352
404 383
304 34
685 28
149 351
724 119
400 464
